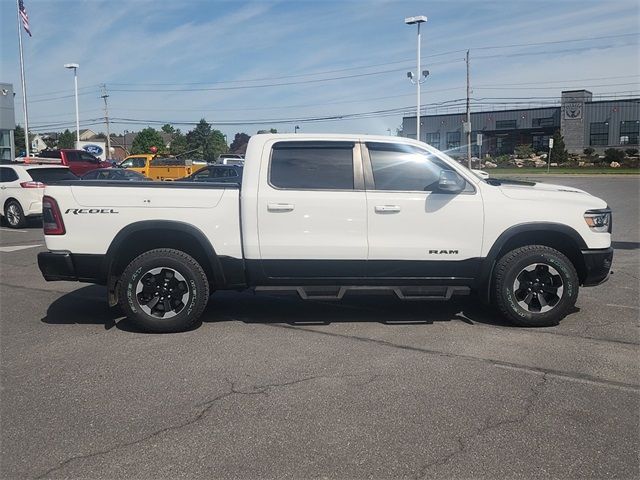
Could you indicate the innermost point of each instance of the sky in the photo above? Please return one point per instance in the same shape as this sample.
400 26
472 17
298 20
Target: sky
325 66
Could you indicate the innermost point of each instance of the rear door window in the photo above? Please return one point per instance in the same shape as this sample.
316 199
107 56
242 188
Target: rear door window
8 175
312 166
87 157
72 156
202 175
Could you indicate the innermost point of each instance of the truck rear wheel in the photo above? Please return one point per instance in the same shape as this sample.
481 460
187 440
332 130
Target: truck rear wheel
535 286
163 290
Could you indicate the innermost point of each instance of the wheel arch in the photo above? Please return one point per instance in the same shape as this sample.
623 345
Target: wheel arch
555 235
6 202
139 237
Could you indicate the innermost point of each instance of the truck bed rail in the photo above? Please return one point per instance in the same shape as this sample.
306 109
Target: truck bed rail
152 184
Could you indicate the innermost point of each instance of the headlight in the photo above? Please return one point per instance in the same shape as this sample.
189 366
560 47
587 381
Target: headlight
598 220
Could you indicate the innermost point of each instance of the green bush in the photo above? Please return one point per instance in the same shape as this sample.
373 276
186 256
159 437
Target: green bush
589 151
501 160
524 151
632 152
613 155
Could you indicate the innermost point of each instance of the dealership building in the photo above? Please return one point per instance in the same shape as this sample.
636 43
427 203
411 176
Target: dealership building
582 122
7 122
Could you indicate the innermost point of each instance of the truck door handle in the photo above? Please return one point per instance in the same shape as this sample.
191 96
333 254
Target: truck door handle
279 207
387 208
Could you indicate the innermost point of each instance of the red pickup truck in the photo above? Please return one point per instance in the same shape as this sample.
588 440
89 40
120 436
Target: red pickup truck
78 161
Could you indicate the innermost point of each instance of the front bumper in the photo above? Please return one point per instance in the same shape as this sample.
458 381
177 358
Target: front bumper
72 267
598 265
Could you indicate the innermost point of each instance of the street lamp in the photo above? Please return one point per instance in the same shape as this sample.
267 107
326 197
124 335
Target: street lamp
75 67
421 75
295 129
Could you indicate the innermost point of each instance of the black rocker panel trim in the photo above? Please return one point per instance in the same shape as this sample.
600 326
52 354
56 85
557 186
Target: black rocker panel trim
361 272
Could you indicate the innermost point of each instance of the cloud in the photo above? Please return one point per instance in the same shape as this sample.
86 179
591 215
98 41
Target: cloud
191 43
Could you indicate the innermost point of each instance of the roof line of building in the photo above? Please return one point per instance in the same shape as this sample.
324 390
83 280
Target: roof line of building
529 109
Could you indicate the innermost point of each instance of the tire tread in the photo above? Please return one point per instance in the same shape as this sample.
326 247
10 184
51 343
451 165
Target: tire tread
172 253
501 270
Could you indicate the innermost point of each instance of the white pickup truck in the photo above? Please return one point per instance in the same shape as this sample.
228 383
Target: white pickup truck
323 215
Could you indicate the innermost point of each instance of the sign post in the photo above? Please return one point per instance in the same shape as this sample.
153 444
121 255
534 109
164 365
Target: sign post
549 156
479 143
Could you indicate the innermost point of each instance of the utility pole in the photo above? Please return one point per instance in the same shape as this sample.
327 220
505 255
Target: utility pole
468 125
106 118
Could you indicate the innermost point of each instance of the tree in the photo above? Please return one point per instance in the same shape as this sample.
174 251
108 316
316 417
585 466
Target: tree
207 142
271 130
559 152
51 141
178 143
147 138
167 128
66 139
239 140
18 136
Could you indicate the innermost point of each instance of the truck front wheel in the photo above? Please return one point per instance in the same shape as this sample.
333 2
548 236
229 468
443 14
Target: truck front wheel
163 290
535 286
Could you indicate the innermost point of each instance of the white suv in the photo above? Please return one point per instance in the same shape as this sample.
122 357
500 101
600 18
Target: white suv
22 188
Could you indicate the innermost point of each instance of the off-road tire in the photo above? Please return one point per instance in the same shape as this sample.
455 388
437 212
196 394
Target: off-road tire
512 264
169 259
13 211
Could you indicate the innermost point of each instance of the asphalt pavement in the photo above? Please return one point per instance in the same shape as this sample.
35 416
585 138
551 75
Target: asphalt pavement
274 387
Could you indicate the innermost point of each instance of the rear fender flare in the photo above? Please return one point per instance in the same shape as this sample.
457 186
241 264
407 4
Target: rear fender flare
122 236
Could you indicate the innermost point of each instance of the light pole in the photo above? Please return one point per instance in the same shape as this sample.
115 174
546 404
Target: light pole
295 129
75 67
420 76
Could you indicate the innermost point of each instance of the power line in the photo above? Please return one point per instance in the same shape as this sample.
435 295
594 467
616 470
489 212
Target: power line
305 82
574 40
325 72
555 42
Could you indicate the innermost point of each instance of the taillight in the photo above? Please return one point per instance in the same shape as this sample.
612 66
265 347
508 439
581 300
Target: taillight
32 184
51 217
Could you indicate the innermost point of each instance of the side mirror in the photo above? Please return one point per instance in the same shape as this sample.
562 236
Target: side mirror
450 182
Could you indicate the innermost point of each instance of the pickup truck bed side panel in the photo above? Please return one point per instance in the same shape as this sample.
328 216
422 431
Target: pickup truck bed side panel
95 214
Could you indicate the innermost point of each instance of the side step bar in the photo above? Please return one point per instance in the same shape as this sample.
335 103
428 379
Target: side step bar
403 293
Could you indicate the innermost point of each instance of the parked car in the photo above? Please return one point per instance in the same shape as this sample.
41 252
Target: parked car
158 167
78 161
230 159
216 173
22 188
115 174
323 215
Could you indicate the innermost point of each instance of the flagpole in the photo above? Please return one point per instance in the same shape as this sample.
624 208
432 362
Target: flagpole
24 84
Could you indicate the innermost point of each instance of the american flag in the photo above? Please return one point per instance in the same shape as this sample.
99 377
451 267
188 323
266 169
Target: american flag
24 16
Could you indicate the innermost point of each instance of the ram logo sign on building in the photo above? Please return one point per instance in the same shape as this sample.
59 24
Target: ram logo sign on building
97 149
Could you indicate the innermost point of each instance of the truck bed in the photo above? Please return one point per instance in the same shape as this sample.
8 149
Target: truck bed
95 212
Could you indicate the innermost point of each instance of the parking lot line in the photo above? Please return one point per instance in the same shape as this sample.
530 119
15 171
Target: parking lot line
13 230
15 248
